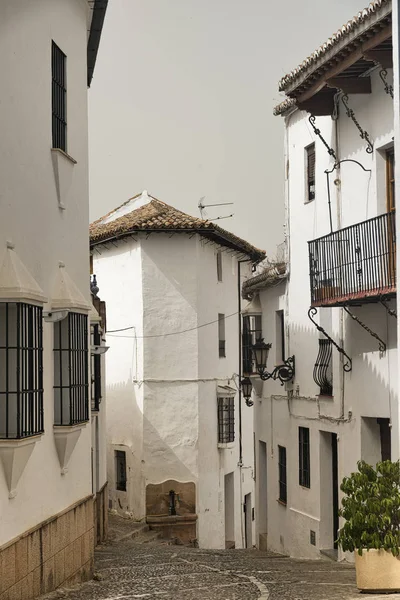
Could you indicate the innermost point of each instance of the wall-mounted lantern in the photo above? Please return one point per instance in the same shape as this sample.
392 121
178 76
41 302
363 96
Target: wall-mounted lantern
284 372
247 388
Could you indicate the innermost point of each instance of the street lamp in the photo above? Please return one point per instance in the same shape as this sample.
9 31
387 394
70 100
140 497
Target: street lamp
284 372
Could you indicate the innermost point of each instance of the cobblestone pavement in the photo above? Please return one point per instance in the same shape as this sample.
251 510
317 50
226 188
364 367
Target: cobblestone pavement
130 569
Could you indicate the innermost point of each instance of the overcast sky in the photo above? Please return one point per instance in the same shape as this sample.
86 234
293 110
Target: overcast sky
181 104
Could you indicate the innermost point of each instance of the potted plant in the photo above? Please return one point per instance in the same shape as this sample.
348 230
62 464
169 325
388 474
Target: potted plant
371 507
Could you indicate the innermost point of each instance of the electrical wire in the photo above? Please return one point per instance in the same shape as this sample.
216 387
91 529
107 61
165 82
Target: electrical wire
142 337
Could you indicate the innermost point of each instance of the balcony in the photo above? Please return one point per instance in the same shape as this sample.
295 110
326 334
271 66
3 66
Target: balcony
354 265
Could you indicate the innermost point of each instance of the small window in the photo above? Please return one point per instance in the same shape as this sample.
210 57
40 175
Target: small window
59 98
391 204
310 173
21 370
280 336
71 386
252 331
304 457
95 369
226 420
120 470
282 474
219 265
91 264
221 335
322 373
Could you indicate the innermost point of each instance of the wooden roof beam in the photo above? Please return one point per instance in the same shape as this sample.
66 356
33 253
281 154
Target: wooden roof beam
380 57
350 85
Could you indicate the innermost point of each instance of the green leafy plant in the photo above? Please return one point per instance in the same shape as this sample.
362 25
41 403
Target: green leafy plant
371 507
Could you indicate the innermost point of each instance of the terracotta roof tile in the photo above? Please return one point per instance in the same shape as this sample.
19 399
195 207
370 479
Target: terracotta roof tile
157 216
361 20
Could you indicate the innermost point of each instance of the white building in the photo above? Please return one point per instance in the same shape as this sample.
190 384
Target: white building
179 440
47 497
342 404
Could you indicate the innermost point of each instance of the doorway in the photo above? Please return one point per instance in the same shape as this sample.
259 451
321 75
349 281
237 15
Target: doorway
248 521
261 508
329 494
335 489
229 511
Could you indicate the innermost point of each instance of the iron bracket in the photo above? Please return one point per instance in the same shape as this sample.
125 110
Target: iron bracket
284 372
382 345
347 366
363 134
317 132
391 311
388 88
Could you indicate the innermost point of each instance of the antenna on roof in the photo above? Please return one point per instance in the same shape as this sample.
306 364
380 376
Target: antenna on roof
203 213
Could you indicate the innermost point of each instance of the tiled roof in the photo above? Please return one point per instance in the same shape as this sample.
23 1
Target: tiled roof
272 274
281 108
360 21
152 215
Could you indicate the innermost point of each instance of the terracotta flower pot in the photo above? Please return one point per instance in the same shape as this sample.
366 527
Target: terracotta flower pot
377 571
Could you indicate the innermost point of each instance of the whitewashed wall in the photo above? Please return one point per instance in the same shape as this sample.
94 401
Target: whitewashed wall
162 391
370 390
43 234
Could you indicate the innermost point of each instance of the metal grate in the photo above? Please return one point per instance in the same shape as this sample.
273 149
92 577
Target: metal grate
322 373
252 331
21 370
226 420
71 387
59 97
95 370
282 474
120 468
304 457
354 263
310 155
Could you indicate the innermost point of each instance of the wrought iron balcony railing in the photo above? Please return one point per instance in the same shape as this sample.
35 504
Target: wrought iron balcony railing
355 264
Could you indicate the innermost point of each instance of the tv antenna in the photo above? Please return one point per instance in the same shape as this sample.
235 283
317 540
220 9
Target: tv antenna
203 213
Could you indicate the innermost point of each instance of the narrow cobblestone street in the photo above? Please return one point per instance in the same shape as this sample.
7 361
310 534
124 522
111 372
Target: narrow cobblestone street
145 567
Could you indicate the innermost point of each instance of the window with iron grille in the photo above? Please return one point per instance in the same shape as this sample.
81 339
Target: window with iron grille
310 172
95 369
21 370
282 474
71 386
120 469
219 265
322 373
221 335
59 97
226 420
252 331
304 457
280 336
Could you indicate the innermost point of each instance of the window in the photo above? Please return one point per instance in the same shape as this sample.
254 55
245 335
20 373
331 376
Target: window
71 387
95 369
59 98
310 173
304 457
390 180
221 335
21 370
219 265
280 336
282 474
252 331
226 420
120 469
322 373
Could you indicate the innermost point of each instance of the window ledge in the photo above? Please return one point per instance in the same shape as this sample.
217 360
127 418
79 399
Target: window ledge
226 445
281 502
14 454
66 438
63 153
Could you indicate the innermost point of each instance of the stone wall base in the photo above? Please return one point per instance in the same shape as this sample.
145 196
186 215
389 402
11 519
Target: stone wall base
59 551
101 514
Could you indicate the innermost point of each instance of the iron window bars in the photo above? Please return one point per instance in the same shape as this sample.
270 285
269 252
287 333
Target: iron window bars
95 370
310 157
252 331
282 474
226 420
59 97
322 373
304 457
21 370
354 263
71 386
120 467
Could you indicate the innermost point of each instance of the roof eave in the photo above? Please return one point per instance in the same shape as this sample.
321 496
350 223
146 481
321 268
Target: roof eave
96 27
